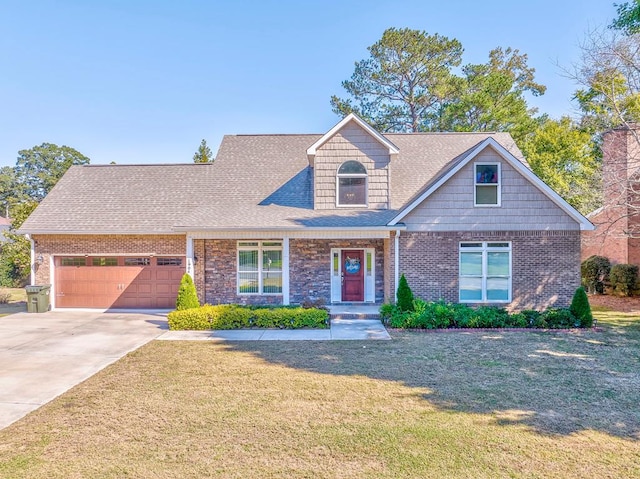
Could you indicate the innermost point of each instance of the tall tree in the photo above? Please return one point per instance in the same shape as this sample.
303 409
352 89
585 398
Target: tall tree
564 156
7 189
405 83
492 95
38 170
628 20
203 155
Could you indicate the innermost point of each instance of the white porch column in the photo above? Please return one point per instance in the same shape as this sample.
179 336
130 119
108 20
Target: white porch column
396 263
190 269
285 271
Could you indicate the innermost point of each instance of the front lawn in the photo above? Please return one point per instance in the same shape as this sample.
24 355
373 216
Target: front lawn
17 301
445 404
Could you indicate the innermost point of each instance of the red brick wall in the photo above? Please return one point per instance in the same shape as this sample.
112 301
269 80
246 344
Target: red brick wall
310 266
51 245
545 265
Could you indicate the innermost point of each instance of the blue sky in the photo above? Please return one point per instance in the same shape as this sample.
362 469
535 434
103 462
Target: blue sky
144 81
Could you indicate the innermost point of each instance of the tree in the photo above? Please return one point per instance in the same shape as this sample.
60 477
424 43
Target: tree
564 156
38 170
405 83
7 189
408 84
15 261
187 295
492 95
628 20
203 155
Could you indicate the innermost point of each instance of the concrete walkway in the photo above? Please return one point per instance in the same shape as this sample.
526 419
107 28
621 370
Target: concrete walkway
341 329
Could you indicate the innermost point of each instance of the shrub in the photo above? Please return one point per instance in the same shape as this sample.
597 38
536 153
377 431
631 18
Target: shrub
233 316
595 272
187 295
5 296
195 319
623 278
558 318
405 295
581 309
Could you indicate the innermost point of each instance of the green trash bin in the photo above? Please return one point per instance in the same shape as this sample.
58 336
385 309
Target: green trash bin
38 298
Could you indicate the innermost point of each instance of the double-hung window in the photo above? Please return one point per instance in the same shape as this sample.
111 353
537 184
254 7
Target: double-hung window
487 184
485 272
260 267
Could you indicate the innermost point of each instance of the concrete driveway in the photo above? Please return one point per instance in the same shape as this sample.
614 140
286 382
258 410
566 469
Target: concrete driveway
44 355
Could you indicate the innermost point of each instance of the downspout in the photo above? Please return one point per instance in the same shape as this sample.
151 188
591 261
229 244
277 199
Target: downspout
396 263
32 261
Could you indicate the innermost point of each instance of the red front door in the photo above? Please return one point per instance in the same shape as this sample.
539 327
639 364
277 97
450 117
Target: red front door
352 275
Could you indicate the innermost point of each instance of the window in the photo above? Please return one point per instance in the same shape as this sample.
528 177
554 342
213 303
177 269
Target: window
485 272
137 261
169 261
352 184
487 184
259 267
104 261
73 261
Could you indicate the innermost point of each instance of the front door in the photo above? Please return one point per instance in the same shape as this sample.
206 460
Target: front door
352 275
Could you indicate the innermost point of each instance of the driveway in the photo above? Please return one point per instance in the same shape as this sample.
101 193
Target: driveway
44 355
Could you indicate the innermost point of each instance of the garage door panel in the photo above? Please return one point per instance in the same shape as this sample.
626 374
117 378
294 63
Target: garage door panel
151 286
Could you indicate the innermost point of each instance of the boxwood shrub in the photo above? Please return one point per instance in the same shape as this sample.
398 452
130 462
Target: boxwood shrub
233 316
441 315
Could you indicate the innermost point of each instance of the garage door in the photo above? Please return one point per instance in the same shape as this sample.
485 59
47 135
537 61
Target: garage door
117 282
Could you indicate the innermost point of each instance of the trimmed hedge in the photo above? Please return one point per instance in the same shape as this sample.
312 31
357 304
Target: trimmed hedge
624 278
187 295
233 316
441 315
595 273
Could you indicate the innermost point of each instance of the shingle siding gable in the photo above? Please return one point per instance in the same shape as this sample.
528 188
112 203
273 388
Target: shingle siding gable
523 206
352 142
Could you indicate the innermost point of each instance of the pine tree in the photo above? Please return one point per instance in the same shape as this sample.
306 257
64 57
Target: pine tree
203 155
580 308
405 295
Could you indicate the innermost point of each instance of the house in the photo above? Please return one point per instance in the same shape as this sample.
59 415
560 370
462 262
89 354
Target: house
617 223
280 219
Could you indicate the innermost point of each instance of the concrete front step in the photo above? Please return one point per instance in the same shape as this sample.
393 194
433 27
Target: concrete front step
354 316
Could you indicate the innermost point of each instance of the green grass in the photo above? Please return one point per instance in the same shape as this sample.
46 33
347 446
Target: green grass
17 301
444 404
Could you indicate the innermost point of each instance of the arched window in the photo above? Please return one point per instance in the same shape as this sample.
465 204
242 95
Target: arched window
352 184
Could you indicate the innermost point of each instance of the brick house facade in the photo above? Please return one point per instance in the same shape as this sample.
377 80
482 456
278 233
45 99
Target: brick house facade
282 219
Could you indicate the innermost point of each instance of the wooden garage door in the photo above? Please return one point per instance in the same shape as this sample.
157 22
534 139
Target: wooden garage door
117 282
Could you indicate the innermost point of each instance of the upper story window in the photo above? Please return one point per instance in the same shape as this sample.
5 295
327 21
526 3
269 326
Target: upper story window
487 184
352 184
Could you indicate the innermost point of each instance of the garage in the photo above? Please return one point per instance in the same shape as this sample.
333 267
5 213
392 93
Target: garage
117 281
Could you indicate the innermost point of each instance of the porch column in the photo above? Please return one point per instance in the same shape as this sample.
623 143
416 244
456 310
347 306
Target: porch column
396 264
285 270
190 269
32 277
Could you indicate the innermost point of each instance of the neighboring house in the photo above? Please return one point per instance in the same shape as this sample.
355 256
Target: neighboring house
617 222
279 219
5 224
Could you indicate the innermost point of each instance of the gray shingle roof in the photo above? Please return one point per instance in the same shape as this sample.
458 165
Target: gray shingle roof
257 181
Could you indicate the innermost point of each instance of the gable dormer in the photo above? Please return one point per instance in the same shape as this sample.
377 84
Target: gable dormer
351 167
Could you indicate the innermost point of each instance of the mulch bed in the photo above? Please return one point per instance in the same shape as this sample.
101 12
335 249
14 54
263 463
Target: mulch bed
616 303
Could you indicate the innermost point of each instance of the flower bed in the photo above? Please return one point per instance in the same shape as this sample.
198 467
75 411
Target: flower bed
442 315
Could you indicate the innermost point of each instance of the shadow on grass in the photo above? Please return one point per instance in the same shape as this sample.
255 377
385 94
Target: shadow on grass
553 382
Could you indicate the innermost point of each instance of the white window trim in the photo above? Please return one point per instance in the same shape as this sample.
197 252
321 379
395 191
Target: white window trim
484 249
260 248
352 175
498 185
